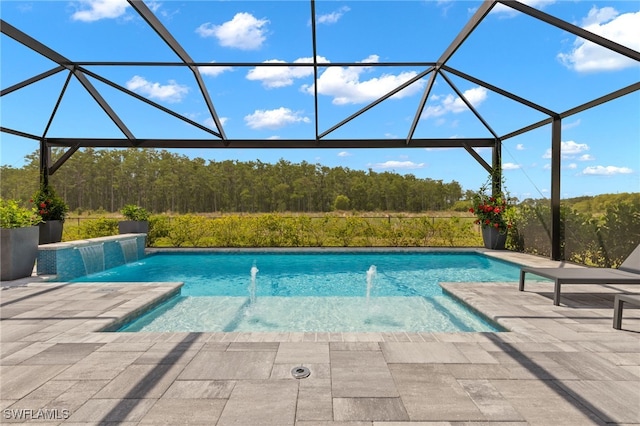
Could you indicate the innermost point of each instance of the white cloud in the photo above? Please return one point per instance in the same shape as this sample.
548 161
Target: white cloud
567 126
572 166
281 76
391 164
624 29
450 104
153 5
520 147
606 171
510 166
333 17
345 86
210 123
586 157
172 92
94 10
274 119
569 149
344 154
244 32
213 71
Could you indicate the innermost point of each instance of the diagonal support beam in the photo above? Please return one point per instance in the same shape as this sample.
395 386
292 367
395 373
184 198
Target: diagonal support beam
19 133
51 54
475 20
499 91
103 103
377 101
57 105
33 44
168 38
469 105
31 80
573 29
420 108
68 153
147 101
477 156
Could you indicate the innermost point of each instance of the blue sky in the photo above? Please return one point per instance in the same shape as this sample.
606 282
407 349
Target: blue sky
536 61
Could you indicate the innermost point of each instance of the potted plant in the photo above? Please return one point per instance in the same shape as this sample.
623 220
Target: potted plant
492 213
53 210
18 240
137 220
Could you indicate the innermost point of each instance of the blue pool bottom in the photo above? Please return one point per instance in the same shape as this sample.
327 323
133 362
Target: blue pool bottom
313 292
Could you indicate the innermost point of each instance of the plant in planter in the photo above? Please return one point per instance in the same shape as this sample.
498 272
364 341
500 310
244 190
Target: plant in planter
493 215
18 240
137 220
53 210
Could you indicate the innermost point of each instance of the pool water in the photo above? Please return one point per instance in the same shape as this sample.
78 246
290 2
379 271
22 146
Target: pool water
325 292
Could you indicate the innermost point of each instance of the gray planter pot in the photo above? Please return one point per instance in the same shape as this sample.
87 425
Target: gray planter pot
493 239
50 231
18 252
133 227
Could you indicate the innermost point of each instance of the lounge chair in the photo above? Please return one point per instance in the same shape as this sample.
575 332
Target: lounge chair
618 306
627 273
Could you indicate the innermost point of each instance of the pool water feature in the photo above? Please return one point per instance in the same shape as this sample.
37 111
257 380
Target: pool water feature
92 258
323 292
65 261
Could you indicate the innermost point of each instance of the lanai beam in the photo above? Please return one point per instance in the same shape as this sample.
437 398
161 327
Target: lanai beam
275 143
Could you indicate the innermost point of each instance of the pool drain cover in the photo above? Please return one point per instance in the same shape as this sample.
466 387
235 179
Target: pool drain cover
300 372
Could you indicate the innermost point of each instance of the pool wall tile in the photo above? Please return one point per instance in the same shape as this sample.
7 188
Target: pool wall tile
65 260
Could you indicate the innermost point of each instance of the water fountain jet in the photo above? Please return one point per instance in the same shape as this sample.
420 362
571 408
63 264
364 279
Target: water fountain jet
371 276
252 286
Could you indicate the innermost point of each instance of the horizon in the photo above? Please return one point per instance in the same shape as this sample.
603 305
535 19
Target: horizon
539 62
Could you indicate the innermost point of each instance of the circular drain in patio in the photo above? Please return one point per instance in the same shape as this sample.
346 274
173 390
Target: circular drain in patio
300 372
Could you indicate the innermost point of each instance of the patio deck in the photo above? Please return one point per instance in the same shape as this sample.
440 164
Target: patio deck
557 364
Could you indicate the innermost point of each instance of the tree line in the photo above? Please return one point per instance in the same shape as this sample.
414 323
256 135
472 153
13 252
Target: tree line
163 181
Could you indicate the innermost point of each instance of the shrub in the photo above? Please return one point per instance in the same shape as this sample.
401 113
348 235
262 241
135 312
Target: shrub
134 212
159 227
48 205
187 229
95 228
12 215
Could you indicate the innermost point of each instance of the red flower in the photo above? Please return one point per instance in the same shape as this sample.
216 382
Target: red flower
497 225
487 221
43 205
471 210
496 210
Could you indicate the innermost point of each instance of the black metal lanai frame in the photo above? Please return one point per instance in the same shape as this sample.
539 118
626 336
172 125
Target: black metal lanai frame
220 140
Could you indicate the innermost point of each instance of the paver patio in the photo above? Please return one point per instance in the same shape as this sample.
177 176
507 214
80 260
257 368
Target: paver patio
557 364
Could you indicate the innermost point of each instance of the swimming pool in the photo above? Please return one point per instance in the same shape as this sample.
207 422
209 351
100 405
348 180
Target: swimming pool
312 291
